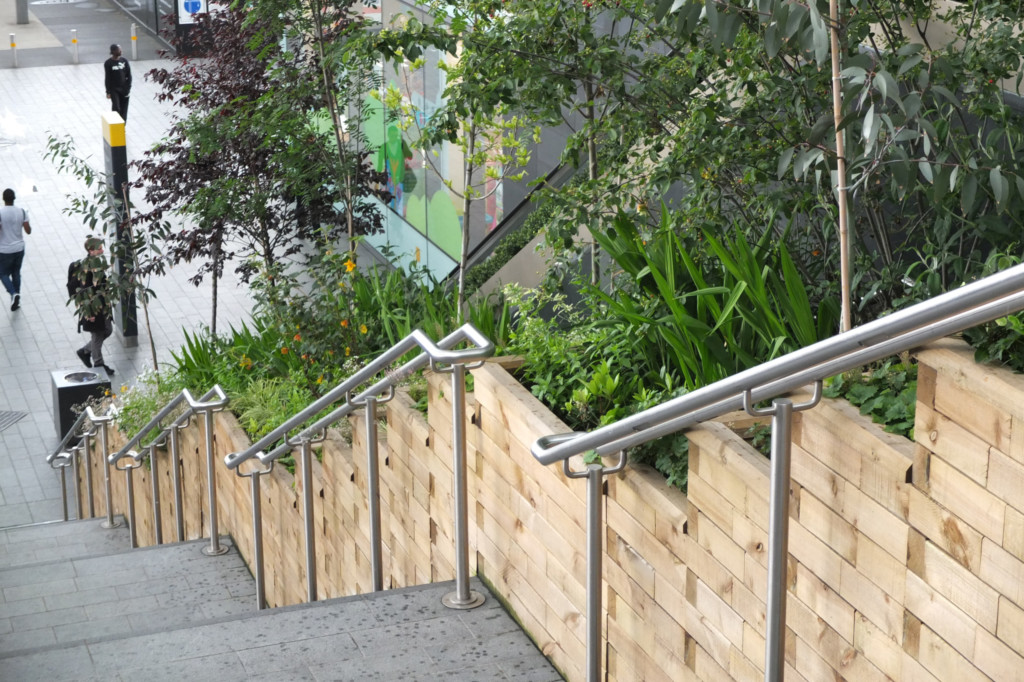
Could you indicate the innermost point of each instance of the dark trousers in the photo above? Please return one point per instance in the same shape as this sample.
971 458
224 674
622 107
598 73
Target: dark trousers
96 338
119 103
10 271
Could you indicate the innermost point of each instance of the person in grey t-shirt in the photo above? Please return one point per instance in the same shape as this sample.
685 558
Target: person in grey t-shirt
12 246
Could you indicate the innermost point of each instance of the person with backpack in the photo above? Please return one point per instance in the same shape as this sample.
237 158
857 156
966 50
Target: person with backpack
88 292
13 221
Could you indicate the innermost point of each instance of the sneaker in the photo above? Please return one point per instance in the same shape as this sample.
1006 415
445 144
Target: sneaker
109 370
84 356
15 301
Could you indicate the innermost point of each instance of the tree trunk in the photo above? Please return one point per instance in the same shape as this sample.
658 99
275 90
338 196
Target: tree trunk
467 203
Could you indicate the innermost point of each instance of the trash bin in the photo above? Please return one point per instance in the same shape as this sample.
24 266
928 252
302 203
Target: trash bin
73 387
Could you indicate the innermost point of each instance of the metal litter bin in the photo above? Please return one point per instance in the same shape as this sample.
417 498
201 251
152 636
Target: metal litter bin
73 387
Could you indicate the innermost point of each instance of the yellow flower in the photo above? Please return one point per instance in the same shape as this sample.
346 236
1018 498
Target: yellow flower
417 254
348 351
320 379
350 265
362 329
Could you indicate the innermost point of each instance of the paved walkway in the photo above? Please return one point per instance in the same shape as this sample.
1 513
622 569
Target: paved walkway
41 337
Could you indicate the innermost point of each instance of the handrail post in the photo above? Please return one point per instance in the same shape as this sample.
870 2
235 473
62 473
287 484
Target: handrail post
173 446
306 457
595 567
257 533
102 422
75 457
215 547
462 597
87 449
158 526
130 495
64 491
594 473
778 540
781 412
373 495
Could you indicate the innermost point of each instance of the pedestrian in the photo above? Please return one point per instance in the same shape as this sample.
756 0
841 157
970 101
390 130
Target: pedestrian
117 77
88 292
12 246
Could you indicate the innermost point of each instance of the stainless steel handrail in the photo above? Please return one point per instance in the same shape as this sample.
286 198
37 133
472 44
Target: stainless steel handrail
438 353
976 303
64 456
212 401
440 357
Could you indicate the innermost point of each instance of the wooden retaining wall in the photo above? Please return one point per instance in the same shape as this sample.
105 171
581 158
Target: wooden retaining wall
906 558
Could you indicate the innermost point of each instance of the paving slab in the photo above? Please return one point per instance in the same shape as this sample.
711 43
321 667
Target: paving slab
352 638
80 600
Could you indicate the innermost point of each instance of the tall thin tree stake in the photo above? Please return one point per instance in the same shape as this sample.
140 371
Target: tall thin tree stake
841 189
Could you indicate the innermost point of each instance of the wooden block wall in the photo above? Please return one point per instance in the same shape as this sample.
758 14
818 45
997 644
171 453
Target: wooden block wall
906 558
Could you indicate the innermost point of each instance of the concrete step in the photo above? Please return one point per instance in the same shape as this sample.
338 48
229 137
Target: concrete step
86 599
41 542
404 634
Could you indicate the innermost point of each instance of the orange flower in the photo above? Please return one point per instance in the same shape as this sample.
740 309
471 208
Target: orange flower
344 323
284 350
297 337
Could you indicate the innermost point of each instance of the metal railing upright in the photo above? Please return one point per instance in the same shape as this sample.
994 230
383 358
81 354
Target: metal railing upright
441 358
976 303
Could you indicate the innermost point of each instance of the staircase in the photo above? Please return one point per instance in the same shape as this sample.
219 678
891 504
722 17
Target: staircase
77 604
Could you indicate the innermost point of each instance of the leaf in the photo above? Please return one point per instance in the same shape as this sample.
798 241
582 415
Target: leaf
854 74
909 64
820 36
968 194
949 96
1000 187
821 126
912 104
784 160
869 131
926 170
772 42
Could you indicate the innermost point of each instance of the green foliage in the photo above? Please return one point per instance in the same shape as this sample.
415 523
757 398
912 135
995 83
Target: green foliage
1000 341
888 393
136 405
706 307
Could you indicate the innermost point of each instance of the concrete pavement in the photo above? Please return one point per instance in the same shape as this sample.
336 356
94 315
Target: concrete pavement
41 337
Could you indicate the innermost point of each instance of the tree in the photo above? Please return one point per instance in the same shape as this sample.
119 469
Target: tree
931 145
332 41
246 164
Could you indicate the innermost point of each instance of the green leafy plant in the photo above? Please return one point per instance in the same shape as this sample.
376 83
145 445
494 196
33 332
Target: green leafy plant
888 393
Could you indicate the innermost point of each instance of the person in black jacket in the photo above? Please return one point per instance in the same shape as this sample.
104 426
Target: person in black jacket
88 292
117 77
